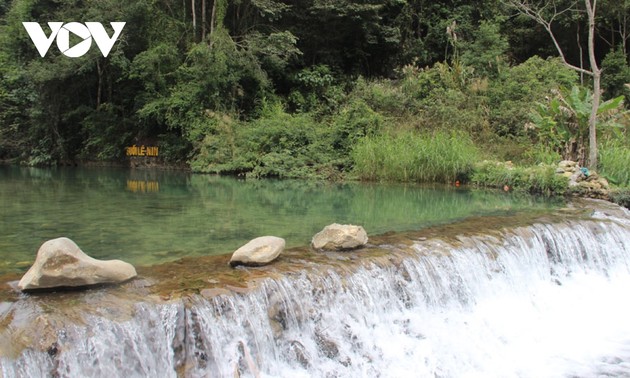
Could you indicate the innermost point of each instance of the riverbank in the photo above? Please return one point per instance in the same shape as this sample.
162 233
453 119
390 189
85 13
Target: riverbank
542 179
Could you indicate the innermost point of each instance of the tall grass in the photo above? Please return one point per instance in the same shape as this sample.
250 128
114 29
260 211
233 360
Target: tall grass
614 161
408 156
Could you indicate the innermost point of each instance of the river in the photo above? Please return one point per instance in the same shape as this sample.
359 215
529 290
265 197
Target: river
481 284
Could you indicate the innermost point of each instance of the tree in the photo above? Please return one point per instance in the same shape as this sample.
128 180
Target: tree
545 13
614 23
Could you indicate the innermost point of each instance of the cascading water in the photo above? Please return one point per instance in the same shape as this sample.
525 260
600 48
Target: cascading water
547 300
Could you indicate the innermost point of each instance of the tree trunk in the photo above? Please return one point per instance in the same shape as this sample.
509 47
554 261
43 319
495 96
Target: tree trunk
194 19
99 89
624 35
213 16
203 20
579 43
538 14
592 121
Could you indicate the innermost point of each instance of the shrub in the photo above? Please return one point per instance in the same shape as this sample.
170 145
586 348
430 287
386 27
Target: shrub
277 144
436 157
512 96
315 90
353 122
615 74
384 96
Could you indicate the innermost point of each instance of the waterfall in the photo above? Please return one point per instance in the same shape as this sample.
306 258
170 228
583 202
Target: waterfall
546 300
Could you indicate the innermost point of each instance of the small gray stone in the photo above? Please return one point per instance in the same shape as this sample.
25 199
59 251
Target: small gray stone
61 263
339 237
259 251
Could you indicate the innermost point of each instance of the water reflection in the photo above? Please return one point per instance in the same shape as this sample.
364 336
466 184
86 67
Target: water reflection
143 181
146 217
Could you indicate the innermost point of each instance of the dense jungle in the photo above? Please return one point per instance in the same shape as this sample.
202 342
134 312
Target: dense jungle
422 91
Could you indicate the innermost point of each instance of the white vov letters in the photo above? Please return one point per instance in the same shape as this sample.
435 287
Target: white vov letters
61 31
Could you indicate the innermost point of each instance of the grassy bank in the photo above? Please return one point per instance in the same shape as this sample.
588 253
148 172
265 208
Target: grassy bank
539 179
429 157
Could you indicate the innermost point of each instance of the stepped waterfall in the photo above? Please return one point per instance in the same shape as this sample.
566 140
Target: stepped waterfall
547 299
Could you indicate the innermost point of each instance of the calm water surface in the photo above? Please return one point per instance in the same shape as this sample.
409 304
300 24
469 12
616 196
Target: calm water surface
146 217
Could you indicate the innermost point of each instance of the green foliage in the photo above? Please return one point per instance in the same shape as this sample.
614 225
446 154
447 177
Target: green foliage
173 147
562 123
386 97
615 74
540 153
274 51
355 121
486 53
357 37
106 130
512 96
437 157
445 96
213 89
315 90
614 157
277 144
540 179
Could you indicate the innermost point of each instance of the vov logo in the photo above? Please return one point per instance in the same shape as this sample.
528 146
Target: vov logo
61 31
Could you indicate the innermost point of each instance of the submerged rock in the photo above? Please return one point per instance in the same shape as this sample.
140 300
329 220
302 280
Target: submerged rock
61 263
300 353
340 236
259 251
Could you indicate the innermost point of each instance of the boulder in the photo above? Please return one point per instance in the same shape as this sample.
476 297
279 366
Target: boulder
590 185
593 176
567 164
61 263
259 251
339 237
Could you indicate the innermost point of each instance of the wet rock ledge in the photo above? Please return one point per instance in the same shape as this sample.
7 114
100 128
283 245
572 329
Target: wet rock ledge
191 275
35 320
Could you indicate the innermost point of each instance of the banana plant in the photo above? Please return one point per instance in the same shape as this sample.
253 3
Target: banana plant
562 121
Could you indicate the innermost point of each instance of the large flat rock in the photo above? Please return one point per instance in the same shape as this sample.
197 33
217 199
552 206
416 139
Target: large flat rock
259 251
61 263
336 237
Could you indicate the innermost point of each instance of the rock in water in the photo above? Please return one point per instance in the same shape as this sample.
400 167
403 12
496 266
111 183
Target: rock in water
340 236
259 251
61 263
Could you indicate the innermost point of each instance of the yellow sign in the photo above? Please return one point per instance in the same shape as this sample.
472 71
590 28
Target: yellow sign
138 186
142 151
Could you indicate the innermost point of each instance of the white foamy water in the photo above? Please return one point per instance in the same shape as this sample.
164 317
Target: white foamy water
539 301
